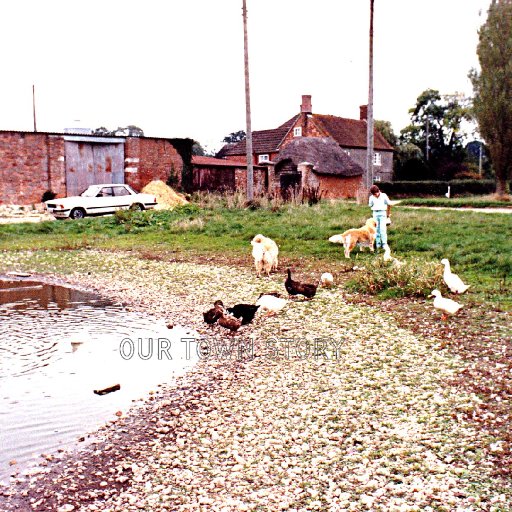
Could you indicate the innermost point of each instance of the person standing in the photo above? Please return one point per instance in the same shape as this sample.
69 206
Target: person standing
381 210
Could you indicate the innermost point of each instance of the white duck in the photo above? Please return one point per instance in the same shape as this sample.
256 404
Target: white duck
270 304
453 281
388 258
447 306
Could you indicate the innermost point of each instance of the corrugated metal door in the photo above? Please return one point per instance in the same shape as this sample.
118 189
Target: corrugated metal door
90 163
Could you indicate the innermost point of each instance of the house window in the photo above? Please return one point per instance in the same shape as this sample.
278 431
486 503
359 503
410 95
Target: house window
263 158
377 178
377 160
297 132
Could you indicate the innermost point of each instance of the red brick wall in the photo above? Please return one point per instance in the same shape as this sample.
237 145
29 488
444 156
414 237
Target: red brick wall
150 159
334 187
30 164
259 180
309 129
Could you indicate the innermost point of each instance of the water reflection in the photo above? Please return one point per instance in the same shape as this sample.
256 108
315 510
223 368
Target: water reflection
57 345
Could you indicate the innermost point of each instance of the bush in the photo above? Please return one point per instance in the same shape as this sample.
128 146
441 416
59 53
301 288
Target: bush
48 195
413 278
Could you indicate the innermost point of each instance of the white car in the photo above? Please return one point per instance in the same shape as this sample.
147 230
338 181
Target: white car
100 200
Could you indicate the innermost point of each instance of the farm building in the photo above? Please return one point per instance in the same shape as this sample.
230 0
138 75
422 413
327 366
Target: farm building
348 135
32 163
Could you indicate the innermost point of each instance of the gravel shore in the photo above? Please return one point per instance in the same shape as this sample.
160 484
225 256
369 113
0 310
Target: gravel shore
329 405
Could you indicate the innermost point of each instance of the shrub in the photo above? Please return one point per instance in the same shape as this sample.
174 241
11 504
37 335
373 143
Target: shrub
412 278
311 195
48 195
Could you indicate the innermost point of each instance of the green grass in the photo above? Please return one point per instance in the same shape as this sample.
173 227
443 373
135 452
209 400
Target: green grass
478 245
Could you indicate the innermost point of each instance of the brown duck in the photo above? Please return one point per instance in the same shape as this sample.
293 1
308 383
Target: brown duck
212 315
229 322
298 288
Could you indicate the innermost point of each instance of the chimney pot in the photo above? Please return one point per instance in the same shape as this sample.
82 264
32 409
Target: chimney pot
306 108
363 112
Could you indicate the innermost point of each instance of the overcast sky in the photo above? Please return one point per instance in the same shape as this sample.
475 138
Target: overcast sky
175 68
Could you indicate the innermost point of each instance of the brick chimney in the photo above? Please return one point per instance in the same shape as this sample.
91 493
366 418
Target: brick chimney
363 112
306 108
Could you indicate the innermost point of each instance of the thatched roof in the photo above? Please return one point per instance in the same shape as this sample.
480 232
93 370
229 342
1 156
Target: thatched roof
323 152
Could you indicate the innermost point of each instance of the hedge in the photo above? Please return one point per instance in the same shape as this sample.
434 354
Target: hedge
437 188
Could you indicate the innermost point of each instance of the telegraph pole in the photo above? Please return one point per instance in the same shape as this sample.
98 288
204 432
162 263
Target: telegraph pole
248 140
369 153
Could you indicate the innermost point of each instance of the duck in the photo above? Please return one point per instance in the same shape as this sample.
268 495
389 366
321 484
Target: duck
270 304
245 312
326 280
298 288
212 315
229 322
447 306
390 259
453 281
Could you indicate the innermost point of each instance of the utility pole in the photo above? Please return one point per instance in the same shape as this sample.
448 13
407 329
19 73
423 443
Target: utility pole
248 140
34 106
369 120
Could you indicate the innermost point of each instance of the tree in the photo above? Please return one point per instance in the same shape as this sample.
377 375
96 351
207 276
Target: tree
234 137
128 131
436 129
197 149
409 163
386 130
492 103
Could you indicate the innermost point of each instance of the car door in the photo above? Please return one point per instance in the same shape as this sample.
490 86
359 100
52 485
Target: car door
104 201
122 198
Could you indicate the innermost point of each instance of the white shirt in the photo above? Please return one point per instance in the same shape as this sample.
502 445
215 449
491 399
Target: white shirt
379 203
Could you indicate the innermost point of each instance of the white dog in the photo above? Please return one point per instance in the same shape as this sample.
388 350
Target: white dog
264 252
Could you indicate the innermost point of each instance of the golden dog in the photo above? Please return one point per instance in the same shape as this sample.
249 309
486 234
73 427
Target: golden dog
364 237
264 252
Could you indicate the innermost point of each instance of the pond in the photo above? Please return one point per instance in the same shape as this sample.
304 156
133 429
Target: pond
57 346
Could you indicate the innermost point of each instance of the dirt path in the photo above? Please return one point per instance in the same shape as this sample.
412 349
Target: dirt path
339 406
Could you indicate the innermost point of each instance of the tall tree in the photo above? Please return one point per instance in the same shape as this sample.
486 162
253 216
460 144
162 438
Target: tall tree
492 104
436 129
386 130
234 137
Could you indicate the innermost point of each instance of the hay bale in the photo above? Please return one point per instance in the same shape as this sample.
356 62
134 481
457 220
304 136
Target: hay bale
166 197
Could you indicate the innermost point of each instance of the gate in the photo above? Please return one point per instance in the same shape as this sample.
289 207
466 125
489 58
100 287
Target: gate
90 162
290 179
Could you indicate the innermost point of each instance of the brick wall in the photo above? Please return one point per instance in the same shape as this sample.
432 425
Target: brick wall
150 159
30 164
259 180
334 187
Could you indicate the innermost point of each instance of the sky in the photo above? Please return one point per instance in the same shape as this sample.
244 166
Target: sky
176 68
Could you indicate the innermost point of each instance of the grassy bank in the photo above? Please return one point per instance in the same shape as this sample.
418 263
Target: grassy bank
478 245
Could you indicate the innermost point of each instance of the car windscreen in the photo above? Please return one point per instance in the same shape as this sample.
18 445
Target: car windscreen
90 192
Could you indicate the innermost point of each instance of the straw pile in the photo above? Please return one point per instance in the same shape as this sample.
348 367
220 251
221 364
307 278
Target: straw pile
166 197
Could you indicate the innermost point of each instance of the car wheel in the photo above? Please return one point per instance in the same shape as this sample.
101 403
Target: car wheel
136 207
77 213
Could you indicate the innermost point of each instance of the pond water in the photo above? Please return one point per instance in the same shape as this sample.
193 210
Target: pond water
58 345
